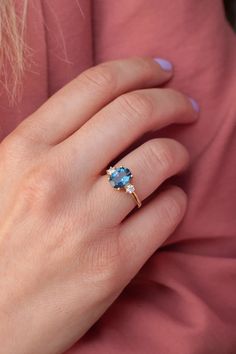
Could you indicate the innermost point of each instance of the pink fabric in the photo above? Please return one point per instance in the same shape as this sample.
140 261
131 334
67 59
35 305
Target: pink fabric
183 300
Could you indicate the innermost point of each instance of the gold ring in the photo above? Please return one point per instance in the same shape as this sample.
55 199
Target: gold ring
119 178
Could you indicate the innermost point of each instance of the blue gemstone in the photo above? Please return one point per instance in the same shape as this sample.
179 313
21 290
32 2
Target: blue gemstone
120 177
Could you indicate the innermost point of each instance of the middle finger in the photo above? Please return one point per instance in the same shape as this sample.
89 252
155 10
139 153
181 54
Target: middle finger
119 124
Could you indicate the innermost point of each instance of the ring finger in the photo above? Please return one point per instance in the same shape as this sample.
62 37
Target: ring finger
151 164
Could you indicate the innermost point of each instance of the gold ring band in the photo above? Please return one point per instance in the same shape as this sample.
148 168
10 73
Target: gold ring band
137 200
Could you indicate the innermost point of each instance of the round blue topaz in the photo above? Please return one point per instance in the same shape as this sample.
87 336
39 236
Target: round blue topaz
120 177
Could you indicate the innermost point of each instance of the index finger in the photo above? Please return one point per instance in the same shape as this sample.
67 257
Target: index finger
74 104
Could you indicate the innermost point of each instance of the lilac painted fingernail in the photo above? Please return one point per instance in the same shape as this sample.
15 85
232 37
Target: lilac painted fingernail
195 105
164 64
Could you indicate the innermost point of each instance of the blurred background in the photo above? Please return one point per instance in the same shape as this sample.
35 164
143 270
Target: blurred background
230 6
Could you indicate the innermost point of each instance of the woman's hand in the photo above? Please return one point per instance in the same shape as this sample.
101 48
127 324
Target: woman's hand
68 245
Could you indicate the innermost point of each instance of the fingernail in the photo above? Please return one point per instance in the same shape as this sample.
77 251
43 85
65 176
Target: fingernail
164 64
195 105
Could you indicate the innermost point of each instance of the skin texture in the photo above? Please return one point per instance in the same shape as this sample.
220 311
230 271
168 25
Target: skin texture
68 243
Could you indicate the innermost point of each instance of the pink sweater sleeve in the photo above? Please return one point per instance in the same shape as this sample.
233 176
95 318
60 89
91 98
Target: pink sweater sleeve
183 300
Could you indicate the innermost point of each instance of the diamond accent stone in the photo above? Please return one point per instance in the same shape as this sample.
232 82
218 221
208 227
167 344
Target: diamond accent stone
129 188
110 171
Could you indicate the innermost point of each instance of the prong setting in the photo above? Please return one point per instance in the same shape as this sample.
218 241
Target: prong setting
119 177
129 188
110 171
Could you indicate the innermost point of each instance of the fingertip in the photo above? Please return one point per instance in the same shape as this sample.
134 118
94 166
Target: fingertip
179 200
177 191
195 107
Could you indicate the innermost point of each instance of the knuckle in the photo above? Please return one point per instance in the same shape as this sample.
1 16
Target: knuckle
29 131
173 211
101 77
12 145
20 141
135 105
